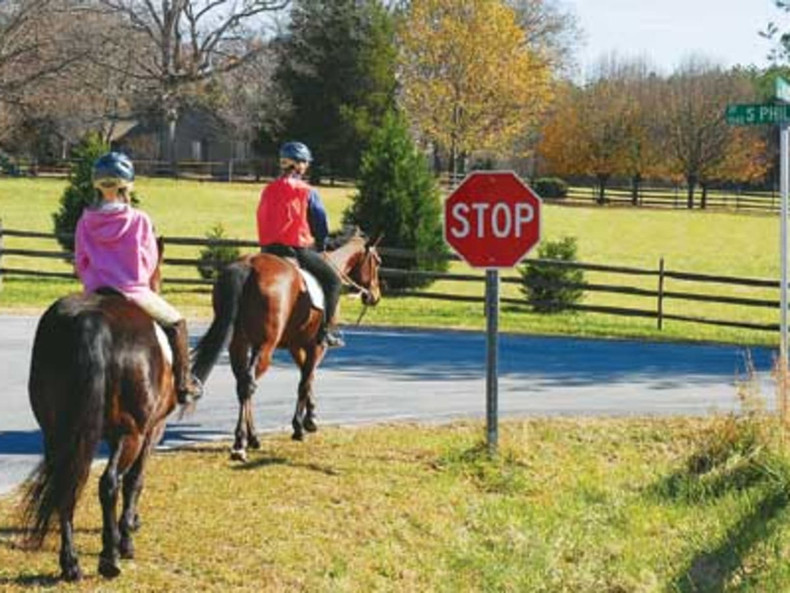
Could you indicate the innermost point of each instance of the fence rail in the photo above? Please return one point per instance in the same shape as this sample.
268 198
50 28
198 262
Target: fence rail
657 295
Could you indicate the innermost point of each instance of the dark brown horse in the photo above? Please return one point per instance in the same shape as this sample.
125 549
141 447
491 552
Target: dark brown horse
98 372
262 303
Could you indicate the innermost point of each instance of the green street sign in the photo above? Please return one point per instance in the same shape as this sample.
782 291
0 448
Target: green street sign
782 89
756 114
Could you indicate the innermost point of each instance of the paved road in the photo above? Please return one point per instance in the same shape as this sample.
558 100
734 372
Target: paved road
386 375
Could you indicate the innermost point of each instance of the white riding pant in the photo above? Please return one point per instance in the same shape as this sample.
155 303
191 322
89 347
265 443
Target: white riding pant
158 308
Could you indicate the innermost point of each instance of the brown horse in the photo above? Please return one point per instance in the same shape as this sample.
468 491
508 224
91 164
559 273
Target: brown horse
98 372
261 301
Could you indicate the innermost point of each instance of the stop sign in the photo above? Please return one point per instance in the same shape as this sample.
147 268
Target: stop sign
492 219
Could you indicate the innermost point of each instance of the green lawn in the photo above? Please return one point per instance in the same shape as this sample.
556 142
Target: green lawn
708 242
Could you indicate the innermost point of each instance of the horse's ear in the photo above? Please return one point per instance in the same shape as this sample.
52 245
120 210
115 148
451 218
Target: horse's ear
372 244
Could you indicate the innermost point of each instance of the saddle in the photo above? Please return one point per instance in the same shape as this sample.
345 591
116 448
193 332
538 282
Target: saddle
161 337
310 284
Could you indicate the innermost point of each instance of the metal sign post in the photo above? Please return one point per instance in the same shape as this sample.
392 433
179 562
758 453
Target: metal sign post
784 136
492 219
774 114
492 359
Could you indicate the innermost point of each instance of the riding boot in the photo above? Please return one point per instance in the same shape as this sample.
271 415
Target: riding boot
188 387
330 336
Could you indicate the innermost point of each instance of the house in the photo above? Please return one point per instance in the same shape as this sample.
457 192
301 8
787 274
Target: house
203 144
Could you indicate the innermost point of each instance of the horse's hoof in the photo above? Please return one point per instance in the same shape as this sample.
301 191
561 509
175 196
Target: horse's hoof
126 549
238 455
309 425
108 568
297 436
253 443
72 573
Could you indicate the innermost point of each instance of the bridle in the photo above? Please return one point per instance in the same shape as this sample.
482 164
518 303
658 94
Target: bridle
370 255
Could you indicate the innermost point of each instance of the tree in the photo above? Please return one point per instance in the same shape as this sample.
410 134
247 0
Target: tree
588 133
550 30
80 191
552 288
398 198
31 48
471 81
698 139
182 44
337 69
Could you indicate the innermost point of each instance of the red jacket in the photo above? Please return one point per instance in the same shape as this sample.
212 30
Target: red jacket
283 213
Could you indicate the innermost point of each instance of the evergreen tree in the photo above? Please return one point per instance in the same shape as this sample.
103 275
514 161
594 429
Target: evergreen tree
399 199
337 71
80 192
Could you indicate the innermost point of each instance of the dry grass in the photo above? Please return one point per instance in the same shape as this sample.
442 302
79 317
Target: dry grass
569 505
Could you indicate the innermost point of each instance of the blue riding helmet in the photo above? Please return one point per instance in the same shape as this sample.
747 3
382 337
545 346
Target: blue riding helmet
296 151
113 168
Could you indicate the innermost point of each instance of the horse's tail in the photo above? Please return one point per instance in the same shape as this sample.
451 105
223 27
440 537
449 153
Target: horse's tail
70 407
226 298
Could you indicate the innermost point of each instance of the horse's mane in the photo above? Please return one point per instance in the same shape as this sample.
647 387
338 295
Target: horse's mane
340 238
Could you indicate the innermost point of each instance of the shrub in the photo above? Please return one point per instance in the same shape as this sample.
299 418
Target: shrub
544 284
550 187
399 199
80 192
214 256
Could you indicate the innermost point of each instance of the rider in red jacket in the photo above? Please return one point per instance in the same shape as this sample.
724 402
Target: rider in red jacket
292 221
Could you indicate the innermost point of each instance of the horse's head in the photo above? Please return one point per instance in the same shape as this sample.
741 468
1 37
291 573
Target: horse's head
358 262
156 278
367 273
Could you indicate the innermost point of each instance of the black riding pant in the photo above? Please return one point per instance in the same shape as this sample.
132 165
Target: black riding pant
323 271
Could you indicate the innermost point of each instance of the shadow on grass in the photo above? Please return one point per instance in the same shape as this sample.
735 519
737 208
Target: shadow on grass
267 461
761 477
712 570
31 580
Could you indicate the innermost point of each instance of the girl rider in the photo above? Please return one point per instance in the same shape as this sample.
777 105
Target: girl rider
292 221
115 247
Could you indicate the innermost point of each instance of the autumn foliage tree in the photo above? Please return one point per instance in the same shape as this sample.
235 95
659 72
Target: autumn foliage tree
470 79
701 146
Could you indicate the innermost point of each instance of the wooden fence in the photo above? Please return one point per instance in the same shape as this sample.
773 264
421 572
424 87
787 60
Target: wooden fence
651 291
674 197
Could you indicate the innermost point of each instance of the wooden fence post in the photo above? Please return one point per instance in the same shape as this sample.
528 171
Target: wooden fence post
661 293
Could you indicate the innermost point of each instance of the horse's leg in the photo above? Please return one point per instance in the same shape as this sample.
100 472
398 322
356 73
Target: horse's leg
304 417
308 376
242 365
261 361
69 562
130 517
123 456
109 484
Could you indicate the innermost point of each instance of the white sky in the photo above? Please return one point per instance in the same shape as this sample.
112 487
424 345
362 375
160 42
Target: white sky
667 31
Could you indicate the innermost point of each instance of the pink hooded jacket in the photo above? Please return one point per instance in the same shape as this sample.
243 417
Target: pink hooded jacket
115 246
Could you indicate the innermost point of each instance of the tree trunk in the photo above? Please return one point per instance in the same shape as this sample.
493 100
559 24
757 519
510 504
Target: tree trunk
691 181
171 118
602 179
636 180
704 199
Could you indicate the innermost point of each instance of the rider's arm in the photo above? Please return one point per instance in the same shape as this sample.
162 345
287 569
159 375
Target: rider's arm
317 217
148 247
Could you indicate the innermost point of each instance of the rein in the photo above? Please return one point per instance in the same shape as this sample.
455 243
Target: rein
348 281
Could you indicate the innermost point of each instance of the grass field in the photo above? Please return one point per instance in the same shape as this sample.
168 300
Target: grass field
583 506
707 242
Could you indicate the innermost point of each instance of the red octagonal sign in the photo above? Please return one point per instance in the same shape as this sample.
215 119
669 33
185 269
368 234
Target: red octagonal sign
492 219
